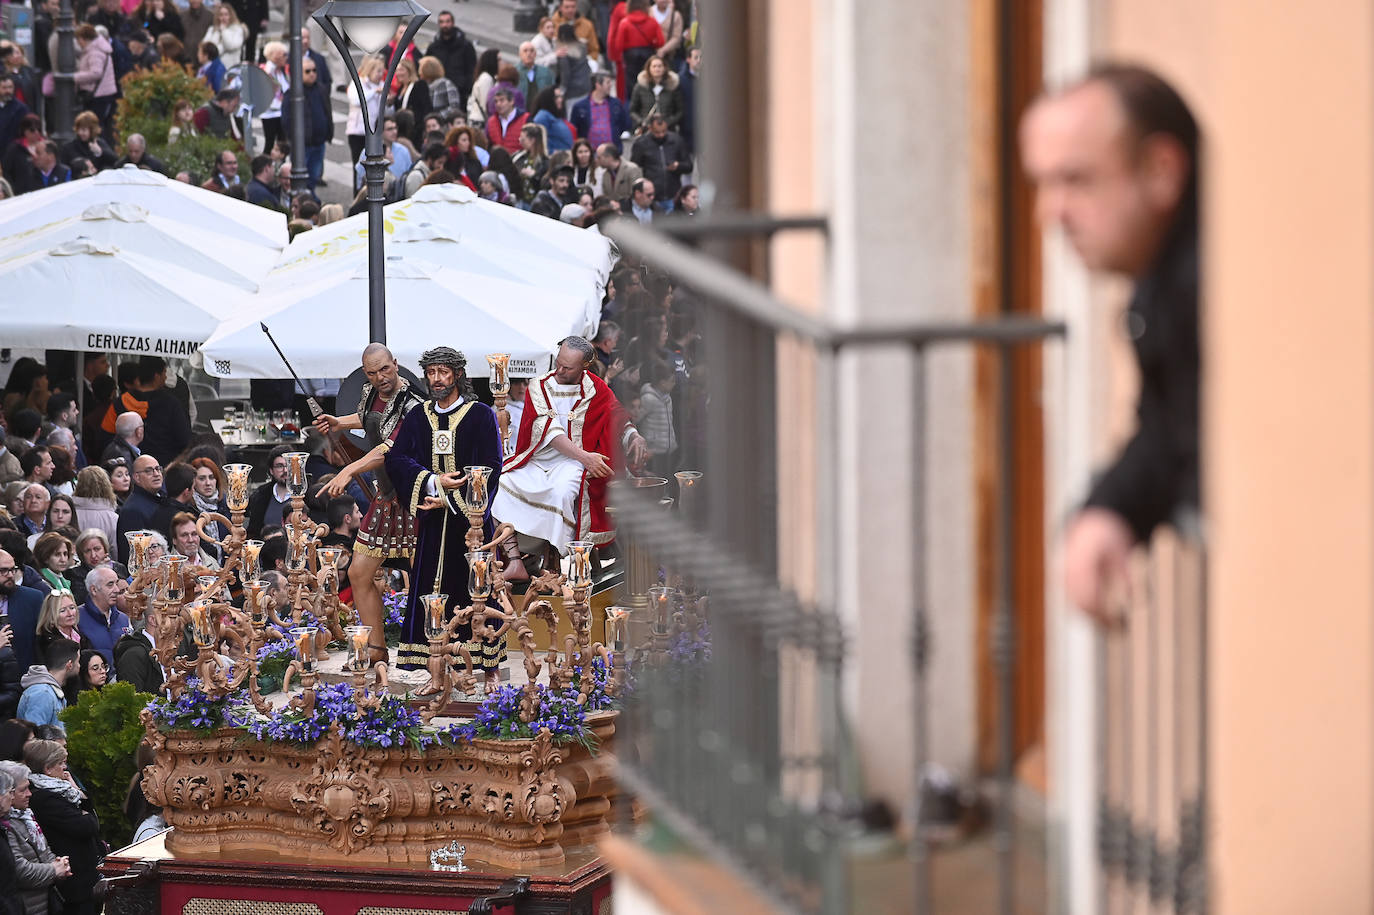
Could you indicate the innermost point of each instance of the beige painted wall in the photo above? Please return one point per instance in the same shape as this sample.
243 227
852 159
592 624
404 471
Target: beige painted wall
1290 406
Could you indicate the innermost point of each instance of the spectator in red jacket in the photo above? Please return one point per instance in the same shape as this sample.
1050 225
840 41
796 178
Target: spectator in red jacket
633 41
503 127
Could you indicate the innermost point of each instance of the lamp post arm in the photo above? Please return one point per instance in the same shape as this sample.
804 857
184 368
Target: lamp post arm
341 43
415 23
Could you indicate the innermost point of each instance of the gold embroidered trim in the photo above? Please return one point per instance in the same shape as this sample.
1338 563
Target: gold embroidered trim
542 507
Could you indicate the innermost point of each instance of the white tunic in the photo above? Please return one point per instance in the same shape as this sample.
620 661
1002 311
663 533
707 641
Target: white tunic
540 497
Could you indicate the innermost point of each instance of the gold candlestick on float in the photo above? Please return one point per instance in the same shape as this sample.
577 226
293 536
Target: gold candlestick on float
499 381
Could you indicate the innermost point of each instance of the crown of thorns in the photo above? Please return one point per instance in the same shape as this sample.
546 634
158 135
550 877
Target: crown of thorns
444 355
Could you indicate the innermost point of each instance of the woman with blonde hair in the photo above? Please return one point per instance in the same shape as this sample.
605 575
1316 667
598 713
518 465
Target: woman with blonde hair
330 212
412 93
58 620
227 34
372 74
443 94
94 499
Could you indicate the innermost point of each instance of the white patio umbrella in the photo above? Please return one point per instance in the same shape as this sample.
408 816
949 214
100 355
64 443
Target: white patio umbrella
81 295
320 320
462 214
430 242
154 192
132 228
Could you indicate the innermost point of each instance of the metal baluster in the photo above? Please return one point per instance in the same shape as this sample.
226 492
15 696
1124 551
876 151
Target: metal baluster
920 639
1004 648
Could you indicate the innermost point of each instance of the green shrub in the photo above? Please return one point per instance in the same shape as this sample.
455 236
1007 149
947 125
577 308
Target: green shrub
146 109
103 733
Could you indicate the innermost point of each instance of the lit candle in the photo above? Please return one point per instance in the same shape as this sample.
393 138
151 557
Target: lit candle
500 378
659 595
617 616
479 577
304 637
477 487
580 572
433 605
357 642
200 623
295 472
256 599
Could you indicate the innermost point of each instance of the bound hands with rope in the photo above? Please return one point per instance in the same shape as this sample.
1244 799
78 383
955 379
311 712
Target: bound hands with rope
446 481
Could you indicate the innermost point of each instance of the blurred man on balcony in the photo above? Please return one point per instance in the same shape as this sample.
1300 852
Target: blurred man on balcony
1115 162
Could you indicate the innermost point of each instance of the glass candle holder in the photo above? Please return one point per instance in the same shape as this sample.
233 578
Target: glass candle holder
237 496
661 603
477 493
617 620
356 638
255 601
689 493
479 573
298 554
500 372
295 472
139 541
173 588
251 569
580 563
433 606
304 639
202 623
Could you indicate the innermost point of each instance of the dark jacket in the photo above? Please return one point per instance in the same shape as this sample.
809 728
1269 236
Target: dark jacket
459 58
119 448
151 163
74 149
72 830
418 103
10 690
10 114
134 663
319 117
1157 472
668 101
262 194
656 157
687 85
166 424
136 514
23 610
11 903
31 179
582 118
257 508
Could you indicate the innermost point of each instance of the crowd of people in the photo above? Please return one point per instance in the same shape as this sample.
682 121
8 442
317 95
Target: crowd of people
594 118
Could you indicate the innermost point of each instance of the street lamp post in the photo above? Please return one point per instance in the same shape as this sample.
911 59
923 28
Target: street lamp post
64 75
370 25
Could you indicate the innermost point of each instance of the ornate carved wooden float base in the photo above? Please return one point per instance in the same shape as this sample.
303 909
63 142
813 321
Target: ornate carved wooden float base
515 804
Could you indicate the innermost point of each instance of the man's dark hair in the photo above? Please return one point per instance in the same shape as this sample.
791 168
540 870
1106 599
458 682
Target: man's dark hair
58 404
61 653
126 374
340 507
225 95
562 171
567 33
502 92
149 367
272 550
434 151
1154 108
178 478
16 544
26 423
276 452
638 185
259 163
6 77
309 209
658 371
31 459
211 52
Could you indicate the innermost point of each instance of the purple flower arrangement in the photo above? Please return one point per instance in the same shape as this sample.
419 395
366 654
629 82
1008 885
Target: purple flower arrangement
500 716
195 710
391 724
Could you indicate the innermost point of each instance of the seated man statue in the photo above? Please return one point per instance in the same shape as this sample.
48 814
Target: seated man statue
573 431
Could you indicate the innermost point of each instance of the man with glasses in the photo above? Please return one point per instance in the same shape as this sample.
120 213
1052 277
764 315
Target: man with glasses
319 121
20 605
145 500
267 505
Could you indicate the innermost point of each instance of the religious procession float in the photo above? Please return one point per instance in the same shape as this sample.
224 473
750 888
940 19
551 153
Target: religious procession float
337 766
